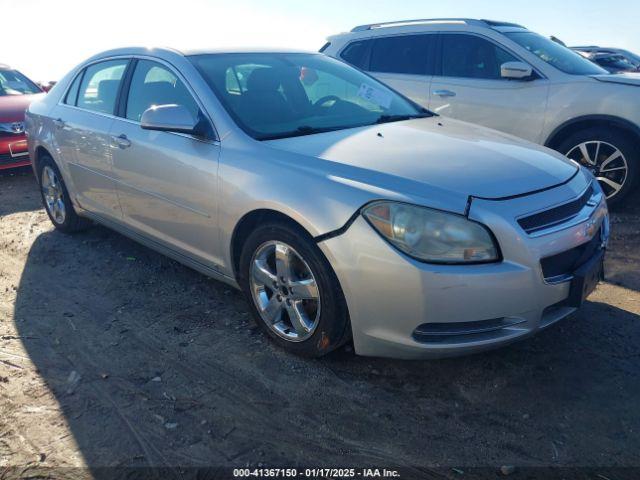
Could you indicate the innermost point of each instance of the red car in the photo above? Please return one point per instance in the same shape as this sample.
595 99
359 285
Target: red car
16 93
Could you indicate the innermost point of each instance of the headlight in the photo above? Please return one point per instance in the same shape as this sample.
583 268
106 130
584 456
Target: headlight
431 235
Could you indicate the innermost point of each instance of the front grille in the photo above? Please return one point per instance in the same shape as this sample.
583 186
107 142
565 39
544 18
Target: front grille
556 215
565 263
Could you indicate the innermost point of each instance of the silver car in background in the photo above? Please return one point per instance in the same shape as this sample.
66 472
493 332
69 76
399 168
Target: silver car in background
340 208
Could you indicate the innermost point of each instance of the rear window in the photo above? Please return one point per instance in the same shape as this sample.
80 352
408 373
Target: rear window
407 54
100 84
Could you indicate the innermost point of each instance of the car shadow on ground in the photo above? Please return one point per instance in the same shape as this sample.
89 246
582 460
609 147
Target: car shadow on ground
154 364
18 191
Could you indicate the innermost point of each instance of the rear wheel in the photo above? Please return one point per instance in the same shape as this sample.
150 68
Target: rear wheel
55 198
611 156
293 292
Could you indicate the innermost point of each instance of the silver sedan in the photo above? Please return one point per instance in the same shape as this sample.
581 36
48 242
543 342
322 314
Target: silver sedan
342 209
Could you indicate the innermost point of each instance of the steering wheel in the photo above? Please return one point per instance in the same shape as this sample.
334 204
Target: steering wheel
326 99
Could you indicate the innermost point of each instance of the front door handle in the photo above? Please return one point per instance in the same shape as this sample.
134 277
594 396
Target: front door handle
59 123
444 93
122 141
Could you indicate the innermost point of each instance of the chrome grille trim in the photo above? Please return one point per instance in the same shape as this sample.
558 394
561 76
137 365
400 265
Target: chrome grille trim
560 216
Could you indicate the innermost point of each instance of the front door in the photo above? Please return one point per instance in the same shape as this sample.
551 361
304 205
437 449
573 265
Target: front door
166 181
468 86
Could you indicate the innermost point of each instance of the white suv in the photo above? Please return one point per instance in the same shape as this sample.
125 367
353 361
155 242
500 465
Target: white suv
503 76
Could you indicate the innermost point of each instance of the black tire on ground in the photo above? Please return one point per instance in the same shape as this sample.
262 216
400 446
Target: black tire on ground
333 329
72 221
623 142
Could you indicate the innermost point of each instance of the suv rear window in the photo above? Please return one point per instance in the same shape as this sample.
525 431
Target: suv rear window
408 54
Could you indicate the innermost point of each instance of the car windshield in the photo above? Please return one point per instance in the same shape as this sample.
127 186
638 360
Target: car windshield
13 82
555 54
615 62
631 57
279 95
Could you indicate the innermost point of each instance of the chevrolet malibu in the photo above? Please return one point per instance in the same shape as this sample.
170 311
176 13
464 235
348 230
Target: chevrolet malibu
340 208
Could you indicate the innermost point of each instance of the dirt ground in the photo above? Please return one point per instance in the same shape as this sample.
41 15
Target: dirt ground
113 355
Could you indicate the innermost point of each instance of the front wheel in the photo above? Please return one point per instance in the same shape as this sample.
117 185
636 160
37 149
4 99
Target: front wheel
293 292
610 155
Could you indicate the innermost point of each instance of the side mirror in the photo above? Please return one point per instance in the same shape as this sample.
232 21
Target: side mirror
516 70
169 118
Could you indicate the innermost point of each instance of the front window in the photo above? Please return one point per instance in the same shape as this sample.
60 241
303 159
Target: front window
469 56
555 54
13 82
273 95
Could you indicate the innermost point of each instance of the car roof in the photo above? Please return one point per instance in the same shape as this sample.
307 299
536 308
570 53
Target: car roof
438 21
163 51
214 51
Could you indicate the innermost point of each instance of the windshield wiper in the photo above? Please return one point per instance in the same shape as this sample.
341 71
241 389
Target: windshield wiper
301 131
399 118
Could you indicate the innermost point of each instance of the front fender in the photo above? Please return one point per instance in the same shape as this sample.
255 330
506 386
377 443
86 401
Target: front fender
264 179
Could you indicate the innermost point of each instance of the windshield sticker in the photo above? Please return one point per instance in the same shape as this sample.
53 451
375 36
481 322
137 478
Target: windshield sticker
374 95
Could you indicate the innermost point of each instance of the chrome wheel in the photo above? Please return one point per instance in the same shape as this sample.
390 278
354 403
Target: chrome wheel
284 291
607 163
53 194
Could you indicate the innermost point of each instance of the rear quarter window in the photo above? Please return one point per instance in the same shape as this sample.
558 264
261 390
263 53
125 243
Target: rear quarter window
356 53
72 95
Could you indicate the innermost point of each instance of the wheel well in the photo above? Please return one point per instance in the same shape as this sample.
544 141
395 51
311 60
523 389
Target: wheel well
612 123
250 222
40 151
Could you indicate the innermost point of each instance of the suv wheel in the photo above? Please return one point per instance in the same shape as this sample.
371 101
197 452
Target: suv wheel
610 155
293 292
55 198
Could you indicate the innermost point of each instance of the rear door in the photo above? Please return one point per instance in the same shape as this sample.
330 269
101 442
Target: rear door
467 85
83 121
404 62
166 181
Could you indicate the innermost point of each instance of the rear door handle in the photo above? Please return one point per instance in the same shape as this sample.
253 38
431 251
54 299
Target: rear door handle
59 123
122 141
444 93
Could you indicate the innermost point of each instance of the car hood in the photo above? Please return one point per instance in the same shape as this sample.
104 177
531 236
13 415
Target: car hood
425 157
12 107
627 78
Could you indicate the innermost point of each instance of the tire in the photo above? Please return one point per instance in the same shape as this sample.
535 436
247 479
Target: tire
605 142
308 267
56 200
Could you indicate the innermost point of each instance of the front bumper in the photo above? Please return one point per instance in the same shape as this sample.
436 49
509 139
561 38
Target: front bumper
403 308
13 151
